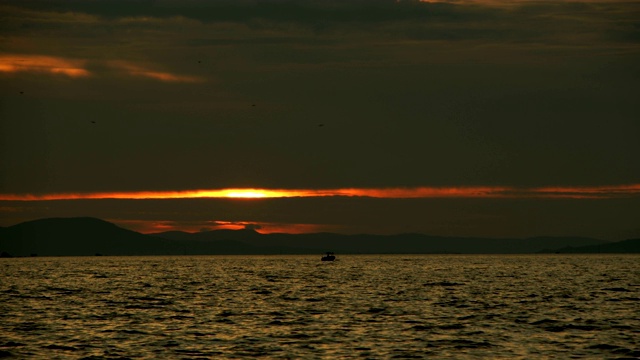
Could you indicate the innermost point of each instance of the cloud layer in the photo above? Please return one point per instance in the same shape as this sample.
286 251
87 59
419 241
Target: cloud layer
393 102
597 192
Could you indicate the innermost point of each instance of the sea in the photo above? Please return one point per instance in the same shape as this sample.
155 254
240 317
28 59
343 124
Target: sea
298 307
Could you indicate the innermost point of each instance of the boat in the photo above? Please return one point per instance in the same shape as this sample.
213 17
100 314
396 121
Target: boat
329 256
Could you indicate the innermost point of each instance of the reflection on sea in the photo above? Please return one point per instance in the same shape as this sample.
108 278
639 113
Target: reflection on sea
395 306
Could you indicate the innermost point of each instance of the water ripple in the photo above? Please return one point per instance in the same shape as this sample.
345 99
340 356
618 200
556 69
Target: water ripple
402 307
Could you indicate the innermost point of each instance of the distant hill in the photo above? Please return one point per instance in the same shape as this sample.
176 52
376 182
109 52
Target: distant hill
377 244
90 236
631 246
77 236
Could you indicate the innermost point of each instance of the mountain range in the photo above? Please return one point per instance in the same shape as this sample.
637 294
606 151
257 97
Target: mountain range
91 236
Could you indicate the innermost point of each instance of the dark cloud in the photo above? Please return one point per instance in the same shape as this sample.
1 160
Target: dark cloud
546 22
519 93
305 11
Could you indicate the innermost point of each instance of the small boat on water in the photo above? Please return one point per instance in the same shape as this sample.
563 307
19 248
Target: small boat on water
329 256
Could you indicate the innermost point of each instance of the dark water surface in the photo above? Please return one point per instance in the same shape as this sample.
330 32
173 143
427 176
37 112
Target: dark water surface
378 307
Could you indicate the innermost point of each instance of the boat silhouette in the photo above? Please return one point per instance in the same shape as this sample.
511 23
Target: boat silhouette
329 256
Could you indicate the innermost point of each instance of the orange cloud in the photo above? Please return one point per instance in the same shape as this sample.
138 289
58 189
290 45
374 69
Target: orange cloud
43 64
156 226
594 192
76 68
140 71
510 3
590 192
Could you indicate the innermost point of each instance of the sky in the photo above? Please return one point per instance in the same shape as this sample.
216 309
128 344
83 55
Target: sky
459 118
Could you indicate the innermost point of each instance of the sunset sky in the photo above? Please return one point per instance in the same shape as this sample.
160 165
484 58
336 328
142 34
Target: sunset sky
454 117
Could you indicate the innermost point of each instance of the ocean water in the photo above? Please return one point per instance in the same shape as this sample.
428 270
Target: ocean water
297 307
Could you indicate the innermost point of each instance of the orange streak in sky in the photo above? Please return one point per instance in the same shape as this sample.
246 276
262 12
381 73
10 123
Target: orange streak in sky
594 192
156 226
76 68
590 192
43 64
137 70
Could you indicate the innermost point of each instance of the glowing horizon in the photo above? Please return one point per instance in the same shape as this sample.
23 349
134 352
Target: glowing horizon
263 227
567 192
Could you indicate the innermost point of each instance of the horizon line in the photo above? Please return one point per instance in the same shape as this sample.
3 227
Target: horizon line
548 192
256 226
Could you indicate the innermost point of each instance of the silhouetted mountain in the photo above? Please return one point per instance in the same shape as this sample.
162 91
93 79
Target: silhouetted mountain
631 246
415 243
88 236
173 235
78 236
211 242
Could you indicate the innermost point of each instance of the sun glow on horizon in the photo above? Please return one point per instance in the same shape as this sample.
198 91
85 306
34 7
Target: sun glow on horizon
195 226
247 194
566 192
